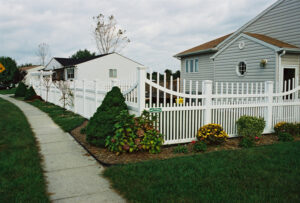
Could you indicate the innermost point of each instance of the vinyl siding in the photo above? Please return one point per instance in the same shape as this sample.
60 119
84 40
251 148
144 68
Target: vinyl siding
282 23
206 72
227 61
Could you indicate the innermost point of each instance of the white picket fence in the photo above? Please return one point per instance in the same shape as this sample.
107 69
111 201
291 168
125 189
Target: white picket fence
180 115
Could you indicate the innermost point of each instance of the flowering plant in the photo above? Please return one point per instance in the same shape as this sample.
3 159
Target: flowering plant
212 134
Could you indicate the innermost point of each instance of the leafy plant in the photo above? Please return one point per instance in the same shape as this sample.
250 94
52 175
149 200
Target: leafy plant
285 137
180 149
30 94
199 146
250 126
134 134
102 123
21 90
83 130
246 142
212 134
284 127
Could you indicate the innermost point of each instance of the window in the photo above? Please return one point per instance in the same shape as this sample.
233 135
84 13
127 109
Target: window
191 66
186 66
112 73
242 68
196 65
70 73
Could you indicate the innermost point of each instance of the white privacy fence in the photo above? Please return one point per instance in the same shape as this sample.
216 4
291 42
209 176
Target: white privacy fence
180 115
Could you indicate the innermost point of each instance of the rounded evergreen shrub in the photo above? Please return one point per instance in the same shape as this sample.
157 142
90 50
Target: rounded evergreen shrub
21 90
284 127
30 94
250 126
102 123
285 137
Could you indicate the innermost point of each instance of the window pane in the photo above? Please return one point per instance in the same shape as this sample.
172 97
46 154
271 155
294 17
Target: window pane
192 65
186 66
196 65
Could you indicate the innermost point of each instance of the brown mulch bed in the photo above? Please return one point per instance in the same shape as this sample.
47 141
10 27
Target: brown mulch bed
108 158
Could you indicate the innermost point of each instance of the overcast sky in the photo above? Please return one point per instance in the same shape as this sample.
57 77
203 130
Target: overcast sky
158 29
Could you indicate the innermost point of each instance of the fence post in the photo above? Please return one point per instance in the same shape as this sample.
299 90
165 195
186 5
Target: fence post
269 110
83 96
41 80
141 93
207 93
74 102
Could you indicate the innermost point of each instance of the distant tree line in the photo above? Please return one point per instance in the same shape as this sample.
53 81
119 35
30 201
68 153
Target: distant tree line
168 72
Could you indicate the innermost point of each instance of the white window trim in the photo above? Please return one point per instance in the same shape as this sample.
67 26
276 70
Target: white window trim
113 69
189 67
237 69
67 77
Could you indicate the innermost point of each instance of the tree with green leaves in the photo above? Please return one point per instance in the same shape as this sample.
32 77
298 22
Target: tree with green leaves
80 54
11 71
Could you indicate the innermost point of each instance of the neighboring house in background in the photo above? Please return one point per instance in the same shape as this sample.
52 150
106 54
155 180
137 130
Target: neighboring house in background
30 69
265 49
103 68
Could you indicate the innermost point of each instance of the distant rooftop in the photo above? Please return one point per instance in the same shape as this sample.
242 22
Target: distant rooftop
72 62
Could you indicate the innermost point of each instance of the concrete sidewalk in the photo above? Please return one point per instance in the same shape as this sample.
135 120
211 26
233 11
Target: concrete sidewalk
71 174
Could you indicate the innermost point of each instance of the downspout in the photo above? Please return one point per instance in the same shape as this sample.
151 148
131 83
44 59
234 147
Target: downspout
281 70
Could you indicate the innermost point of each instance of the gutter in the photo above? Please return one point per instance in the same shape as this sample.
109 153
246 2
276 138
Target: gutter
178 56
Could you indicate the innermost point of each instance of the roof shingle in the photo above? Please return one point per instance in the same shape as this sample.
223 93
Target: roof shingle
71 62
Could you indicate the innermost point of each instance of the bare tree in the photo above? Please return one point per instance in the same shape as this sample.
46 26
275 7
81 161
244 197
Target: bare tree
109 38
43 52
67 96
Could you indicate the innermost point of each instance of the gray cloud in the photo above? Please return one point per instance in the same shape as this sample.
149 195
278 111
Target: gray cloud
158 29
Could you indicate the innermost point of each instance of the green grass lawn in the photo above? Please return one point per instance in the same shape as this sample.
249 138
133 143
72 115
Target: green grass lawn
261 174
21 175
67 120
9 91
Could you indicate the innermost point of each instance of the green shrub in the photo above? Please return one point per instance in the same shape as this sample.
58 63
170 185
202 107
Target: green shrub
135 134
285 137
180 149
250 127
102 123
284 127
30 94
83 130
246 142
298 129
21 90
199 146
212 134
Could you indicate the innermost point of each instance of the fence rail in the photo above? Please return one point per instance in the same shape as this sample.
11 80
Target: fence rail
181 106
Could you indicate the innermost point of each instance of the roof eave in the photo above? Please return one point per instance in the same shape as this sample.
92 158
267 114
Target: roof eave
205 51
292 50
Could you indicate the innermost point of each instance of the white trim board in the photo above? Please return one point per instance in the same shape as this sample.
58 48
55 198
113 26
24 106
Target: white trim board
270 46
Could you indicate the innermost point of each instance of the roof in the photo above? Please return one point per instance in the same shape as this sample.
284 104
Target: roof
271 40
28 67
71 62
203 47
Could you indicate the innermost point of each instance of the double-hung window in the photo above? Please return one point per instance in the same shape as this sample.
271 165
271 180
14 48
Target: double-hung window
113 73
192 65
70 73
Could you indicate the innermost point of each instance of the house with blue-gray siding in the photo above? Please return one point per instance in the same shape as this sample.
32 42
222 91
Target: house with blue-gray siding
267 48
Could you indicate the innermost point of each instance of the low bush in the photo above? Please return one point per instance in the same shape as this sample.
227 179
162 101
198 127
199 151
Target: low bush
30 94
199 146
212 134
284 127
180 149
135 134
101 125
285 137
250 126
246 142
21 90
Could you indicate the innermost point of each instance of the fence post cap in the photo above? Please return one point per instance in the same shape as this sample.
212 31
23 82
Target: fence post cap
269 82
207 81
141 67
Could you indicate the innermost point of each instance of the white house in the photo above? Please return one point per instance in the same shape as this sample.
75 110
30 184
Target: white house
103 68
31 69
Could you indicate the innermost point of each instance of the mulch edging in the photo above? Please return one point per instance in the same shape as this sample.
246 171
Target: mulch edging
107 158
